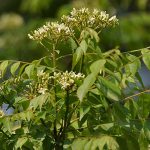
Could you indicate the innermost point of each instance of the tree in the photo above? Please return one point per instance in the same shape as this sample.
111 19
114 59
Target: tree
98 103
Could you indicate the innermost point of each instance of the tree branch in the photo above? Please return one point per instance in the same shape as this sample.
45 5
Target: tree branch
137 94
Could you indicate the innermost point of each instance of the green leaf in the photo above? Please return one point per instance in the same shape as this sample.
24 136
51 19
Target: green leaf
133 107
38 101
22 101
112 63
77 56
47 143
29 70
121 113
7 124
83 111
22 69
14 68
109 89
109 141
73 44
20 142
80 51
3 67
94 143
130 139
84 46
133 65
105 126
146 57
144 105
93 34
97 66
143 142
84 88
140 79
25 115
79 143
88 145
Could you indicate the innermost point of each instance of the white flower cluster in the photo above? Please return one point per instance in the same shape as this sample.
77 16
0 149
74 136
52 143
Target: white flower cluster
78 19
67 80
82 18
51 31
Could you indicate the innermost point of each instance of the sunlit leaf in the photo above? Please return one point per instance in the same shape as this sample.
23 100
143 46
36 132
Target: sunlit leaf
3 67
79 143
80 51
93 34
146 57
21 69
14 68
84 88
97 66
77 56
25 115
38 101
20 142
83 46
7 124
29 70
105 126
133 65
94 143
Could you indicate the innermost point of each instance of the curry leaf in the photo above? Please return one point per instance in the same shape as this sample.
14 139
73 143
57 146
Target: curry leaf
85 87
146 57
14 68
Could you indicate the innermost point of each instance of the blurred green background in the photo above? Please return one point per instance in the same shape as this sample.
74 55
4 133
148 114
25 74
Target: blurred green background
19 17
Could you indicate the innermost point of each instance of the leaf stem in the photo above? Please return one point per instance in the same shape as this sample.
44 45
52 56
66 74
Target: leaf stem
67 110
136 50
66 121
82 63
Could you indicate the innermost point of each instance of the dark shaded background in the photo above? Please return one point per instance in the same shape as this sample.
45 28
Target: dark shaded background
19 17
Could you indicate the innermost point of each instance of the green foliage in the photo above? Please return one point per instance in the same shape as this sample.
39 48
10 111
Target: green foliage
95 104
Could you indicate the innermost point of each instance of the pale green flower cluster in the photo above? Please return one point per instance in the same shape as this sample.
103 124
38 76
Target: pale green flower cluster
51 31
78 19
67 80
39 87
43 80
82 18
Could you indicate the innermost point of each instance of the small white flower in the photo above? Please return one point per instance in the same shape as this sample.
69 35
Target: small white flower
42 90
84 10
95 12
112 18
40 73
73 12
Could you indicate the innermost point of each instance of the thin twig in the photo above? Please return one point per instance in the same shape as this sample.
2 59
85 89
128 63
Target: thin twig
136 50
137 94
